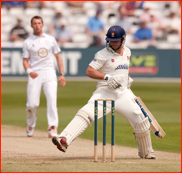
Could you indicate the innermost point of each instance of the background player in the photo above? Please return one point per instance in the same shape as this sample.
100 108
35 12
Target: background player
38 53
111 68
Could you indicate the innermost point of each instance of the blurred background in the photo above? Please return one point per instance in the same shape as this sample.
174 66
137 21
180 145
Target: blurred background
153 33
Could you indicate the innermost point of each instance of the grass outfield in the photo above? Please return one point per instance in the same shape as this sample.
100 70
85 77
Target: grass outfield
162 99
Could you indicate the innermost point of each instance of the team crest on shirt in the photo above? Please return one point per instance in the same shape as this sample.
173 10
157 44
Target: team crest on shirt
42 52
112 60
127 57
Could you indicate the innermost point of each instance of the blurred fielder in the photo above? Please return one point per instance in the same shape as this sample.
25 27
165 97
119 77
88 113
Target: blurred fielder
38 53
110 67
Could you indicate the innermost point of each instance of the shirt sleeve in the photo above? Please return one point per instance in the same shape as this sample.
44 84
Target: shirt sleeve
25 52
150 34
136 34
97 62
56 48
101 25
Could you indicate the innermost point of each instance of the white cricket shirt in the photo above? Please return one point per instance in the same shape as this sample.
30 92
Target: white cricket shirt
41 51
113 64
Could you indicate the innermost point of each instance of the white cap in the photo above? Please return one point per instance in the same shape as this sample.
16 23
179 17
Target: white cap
152 13
19 18
58 9
63 21
146 5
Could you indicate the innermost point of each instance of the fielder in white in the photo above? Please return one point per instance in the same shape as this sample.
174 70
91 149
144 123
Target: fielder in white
39 51
110 67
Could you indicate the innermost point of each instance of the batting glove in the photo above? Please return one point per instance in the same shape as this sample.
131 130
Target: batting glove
112 81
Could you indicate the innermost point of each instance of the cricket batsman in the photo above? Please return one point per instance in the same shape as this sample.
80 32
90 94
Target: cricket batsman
110 67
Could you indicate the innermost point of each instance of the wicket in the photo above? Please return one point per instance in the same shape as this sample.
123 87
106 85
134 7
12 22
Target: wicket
104 130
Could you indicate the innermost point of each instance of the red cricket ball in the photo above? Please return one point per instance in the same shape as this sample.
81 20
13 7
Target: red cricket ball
63 141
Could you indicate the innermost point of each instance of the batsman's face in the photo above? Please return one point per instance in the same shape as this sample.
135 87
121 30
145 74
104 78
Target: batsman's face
37 26
115 44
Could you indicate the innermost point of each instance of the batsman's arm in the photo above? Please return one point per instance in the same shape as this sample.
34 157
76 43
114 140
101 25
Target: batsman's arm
61 69
113 82
94 74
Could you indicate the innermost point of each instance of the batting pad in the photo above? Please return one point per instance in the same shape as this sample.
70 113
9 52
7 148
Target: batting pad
86 113
142 133
75 128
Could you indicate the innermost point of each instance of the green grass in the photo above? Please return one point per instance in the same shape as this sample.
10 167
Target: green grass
162 99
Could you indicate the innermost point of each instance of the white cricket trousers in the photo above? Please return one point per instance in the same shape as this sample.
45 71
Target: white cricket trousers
125 105
47 80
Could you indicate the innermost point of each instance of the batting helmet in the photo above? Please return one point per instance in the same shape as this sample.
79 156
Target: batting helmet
115 33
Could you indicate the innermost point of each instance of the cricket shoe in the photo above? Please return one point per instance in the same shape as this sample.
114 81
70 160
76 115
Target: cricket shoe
30 131
150 156
60 143
52 132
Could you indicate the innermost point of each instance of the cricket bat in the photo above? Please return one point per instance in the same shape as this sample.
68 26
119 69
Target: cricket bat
154 125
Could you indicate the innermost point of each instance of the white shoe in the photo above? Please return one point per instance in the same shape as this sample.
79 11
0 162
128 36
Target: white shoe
60 143
150 156
30 131
52 132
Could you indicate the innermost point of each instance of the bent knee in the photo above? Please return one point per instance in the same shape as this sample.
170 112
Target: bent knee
86 112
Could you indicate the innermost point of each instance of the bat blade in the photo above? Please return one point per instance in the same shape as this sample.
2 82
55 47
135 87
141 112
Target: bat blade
154 125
